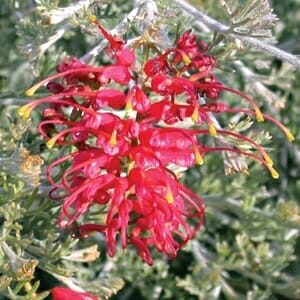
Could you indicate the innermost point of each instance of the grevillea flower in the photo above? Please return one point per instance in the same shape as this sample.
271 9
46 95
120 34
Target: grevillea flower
61 293
115 118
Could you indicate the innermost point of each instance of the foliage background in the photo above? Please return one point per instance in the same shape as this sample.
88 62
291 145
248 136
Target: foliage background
249 248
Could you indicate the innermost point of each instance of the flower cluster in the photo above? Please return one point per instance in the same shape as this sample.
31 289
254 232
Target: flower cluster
122 122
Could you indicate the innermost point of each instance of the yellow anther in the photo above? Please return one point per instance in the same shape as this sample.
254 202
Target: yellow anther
197 76
198 157
212 129
268 159
195 115
169 195
127 194
194 77
92 18
273 172
25 112
128 105
51 143
289 135
185 59
259 115
30 92
178 73
113 139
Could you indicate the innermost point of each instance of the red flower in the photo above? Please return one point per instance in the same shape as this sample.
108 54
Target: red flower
162 208
61 293
124 157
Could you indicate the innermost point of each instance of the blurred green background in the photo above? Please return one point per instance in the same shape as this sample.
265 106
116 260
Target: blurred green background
249 247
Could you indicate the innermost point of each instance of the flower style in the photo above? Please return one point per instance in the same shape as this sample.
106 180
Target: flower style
123 124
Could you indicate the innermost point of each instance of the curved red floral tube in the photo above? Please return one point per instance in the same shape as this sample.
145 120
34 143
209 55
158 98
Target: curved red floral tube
61 293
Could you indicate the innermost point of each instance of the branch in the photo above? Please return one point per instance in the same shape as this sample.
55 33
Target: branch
14 101
60 14
226 31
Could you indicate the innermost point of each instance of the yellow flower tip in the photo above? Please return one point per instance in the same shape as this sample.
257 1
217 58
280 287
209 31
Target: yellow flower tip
186 59
92 18
198 158
212 130
24 112
268 160
289 135
30 92
195 115
50 144
178 74
113 139
128 106
273 172
194 77
169 196
259 115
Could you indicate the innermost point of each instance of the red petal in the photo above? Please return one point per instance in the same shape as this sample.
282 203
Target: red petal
118 73
125 57
110 97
